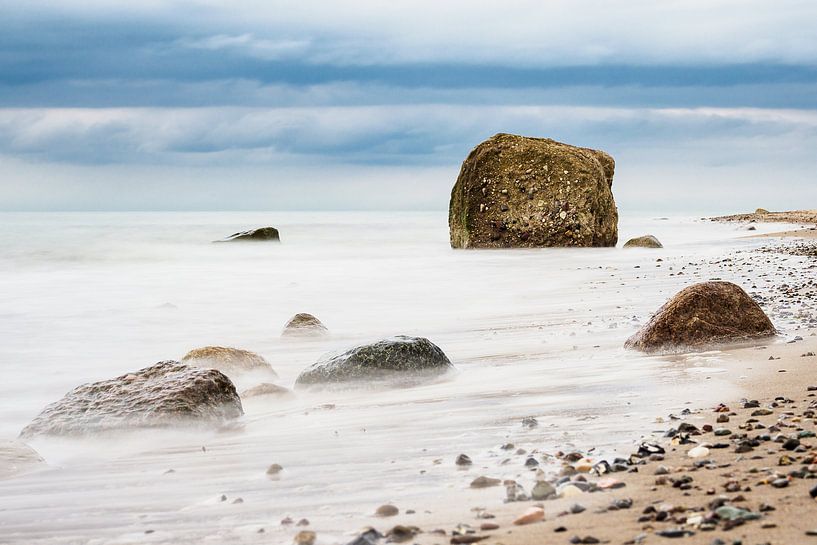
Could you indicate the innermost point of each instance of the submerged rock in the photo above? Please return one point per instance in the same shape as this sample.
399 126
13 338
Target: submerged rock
16 458
702 315
304 325
266 389
161 395
517 191
230 361
255 235
394 357
647 241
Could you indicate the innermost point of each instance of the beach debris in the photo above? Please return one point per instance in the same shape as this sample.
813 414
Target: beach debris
274 469
534 514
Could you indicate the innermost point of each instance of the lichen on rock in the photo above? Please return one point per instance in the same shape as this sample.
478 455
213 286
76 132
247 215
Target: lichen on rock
517 191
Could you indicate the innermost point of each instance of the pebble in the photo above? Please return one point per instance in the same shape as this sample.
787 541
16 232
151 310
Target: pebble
386 510
484 482
586 539
463 460
542 490
534 514
698 452
488 526
274 469
610 483
304 537
570 491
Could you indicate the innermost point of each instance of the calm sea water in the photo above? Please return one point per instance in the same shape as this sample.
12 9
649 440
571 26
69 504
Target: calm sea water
88 296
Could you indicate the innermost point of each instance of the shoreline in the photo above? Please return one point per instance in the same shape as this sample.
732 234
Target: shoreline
605 517
674 495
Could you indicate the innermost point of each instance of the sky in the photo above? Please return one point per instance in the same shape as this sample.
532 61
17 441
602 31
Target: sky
707 106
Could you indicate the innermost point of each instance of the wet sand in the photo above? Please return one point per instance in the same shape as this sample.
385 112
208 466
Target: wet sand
741 480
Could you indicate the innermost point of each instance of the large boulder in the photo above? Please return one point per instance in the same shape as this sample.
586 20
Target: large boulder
396 357
230 361
255 235
304 325
164 394
700 316
647 241
517 191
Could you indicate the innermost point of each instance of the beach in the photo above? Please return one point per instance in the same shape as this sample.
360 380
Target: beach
536 337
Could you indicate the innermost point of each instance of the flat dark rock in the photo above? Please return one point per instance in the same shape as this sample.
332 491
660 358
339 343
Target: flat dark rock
255 235
703 315
516 191
399 356
165 394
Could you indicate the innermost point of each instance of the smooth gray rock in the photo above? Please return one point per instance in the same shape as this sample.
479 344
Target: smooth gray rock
395 357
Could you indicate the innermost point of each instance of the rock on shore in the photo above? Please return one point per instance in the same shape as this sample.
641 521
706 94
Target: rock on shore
16 457
230 361
304 325
394 357
255 235
702 315
163 394
517 191
647 241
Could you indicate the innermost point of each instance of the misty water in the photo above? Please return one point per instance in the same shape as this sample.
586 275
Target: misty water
533 333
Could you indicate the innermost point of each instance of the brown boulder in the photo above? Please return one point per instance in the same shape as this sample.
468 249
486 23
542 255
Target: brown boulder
517 191
230 361
304 325
647 241
702 315
165 394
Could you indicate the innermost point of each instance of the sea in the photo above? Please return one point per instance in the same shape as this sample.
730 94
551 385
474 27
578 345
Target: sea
533 333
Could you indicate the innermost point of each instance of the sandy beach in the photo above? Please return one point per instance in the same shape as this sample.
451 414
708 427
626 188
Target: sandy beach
741 470
778 376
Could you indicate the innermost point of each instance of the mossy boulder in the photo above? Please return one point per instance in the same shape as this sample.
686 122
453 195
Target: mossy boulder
518 191
228 360
396 357
262 234
304 325
701 316
647 241
165 394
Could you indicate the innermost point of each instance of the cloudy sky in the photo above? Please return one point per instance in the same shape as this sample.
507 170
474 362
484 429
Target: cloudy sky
706 105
